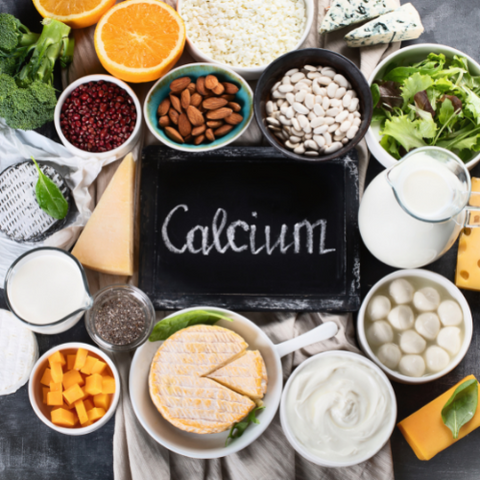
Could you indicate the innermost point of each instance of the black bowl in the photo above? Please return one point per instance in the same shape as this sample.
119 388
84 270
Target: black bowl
298 59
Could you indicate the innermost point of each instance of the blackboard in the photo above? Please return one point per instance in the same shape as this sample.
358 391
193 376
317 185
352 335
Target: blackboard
211 230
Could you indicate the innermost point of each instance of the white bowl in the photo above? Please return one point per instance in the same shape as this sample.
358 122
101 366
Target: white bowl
118 152
36 395
250 73
454 292
411 54
293 439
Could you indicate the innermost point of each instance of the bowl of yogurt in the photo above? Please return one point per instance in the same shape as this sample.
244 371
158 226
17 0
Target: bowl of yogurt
338 409
415 325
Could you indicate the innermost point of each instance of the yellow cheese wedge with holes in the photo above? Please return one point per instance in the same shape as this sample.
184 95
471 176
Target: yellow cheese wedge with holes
106 243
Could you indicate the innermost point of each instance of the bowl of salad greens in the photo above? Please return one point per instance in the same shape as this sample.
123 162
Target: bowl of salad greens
425 94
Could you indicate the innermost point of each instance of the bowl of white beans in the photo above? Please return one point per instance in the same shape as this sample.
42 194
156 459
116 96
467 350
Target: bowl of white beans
313 104
415 325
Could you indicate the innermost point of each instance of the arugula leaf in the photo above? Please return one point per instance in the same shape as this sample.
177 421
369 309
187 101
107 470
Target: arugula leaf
414 84
461 406
404 131
239 428
49 197
473 103
168 326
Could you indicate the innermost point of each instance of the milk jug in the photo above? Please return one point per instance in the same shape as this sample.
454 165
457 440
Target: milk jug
412 213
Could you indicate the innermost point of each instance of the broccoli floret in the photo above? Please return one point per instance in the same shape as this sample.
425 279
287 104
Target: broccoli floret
8 65
13 34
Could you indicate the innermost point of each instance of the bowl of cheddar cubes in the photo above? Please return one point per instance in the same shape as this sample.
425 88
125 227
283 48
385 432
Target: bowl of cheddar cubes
74 388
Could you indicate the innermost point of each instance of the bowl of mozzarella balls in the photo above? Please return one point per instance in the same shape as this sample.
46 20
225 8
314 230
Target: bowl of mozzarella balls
415 325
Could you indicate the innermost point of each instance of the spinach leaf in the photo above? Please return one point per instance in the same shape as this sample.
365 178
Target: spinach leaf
461 406
238 428
168 326
49 197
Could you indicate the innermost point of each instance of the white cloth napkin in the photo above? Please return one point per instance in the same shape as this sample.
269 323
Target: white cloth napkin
136 455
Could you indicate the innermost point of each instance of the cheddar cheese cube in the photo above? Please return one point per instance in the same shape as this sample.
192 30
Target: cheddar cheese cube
99 366
425 431
88 404
73 394
54 398
81 412
95 413
89 364
46 378
85 394
62 417
56 372
94 384
57 357
108 384
56 387
71 361
80 359
45 390
71 378
102 400
66 406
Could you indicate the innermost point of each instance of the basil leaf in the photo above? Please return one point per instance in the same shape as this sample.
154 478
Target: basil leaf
461 406
168 326
239 428
49 197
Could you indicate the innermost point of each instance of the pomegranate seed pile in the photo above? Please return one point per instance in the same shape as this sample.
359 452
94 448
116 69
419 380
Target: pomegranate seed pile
98 116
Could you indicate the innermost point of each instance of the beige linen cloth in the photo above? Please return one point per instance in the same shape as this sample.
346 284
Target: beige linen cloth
136 455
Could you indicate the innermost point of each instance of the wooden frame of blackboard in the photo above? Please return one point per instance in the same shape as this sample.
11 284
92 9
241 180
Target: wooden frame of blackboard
155 158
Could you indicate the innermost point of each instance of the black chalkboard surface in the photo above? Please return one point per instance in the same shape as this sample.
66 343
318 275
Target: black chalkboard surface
246 228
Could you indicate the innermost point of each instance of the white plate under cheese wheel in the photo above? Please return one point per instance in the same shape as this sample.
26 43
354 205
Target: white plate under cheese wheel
18 353
180 389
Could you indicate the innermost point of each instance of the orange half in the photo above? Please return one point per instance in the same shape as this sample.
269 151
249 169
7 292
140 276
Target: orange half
140 40
75 13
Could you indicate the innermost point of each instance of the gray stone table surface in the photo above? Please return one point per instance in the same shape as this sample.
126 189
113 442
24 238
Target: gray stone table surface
30 450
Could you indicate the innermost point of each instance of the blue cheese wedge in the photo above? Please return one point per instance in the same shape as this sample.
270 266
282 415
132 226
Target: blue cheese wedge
402 24
349 12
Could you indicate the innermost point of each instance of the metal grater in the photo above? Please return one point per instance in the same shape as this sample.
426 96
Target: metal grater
21 218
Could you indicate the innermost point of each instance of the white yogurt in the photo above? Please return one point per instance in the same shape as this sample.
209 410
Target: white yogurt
339 409
46 288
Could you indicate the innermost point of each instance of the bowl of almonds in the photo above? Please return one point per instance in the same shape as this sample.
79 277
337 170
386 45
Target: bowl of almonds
199 107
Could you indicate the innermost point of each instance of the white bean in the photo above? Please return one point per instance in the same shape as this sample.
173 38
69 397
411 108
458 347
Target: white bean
311 116
311 153
307 129
297 133
333 147
332 128
345 140
329 120
353 105
273 121
341 116
286 80
289 113
339 136
325 103
317 122
332 112
294 139
269 107
332 90
273 128
356 121
290 98
320 130
346 100
300 96
306 81
292 71
319 140
340 93
318 109
302 120
309 101
335 102
312 145
300 150
352 131
301 86
276 86
318 99
310 68
276 94
345 126
313 75
296 123
327 137
296 77
316 88
352 93
285 88
283 109
350 117
324 80
341 80
298 107
328 72
289 145
356 114
284 120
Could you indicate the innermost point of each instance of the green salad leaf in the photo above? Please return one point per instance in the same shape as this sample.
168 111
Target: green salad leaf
461 406
168 326
404 131
473 104
414 84
239 428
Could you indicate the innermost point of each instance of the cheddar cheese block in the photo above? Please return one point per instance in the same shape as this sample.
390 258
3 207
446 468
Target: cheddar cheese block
425 431
246 375
106 243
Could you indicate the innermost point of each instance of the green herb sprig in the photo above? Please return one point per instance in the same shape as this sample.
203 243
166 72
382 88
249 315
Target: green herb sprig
461 406
167 327
239 428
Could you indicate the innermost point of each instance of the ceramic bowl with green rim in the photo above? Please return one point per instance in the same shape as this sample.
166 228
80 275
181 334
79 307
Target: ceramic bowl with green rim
161 90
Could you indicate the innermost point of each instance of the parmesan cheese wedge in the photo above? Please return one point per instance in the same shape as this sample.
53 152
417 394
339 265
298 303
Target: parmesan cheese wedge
106 243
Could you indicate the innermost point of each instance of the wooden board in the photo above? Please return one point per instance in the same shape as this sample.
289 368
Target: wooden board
246 228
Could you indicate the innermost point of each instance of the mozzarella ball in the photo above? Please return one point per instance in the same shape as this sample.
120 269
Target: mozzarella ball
450 338
401 291
437 358
389 354
412 342
450 313
401 317
412 365
378 308
428 325
426 299
379 332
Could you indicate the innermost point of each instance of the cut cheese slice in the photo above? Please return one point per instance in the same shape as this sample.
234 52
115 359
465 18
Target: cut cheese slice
246 375
106 243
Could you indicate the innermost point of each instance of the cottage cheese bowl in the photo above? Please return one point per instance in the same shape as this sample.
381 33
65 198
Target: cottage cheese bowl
246 35
338 409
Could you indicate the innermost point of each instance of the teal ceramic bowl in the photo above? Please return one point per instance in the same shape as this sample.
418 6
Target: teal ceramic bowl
161 90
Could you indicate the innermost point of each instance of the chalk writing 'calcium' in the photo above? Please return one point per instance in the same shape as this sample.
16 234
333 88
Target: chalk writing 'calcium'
219 223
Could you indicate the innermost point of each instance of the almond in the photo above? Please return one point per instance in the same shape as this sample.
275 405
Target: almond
195 99
209 134
210 82
164 121
173 115
184 126
179 84
219 89
220 132
176 103
173 135
199 139
198 130
219 114
234 119
213 103
229 98
230 88
201 86
214 123
163 107
234 106
191 88
195 116
185 99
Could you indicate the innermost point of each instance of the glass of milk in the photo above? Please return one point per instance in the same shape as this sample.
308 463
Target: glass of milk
47 290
